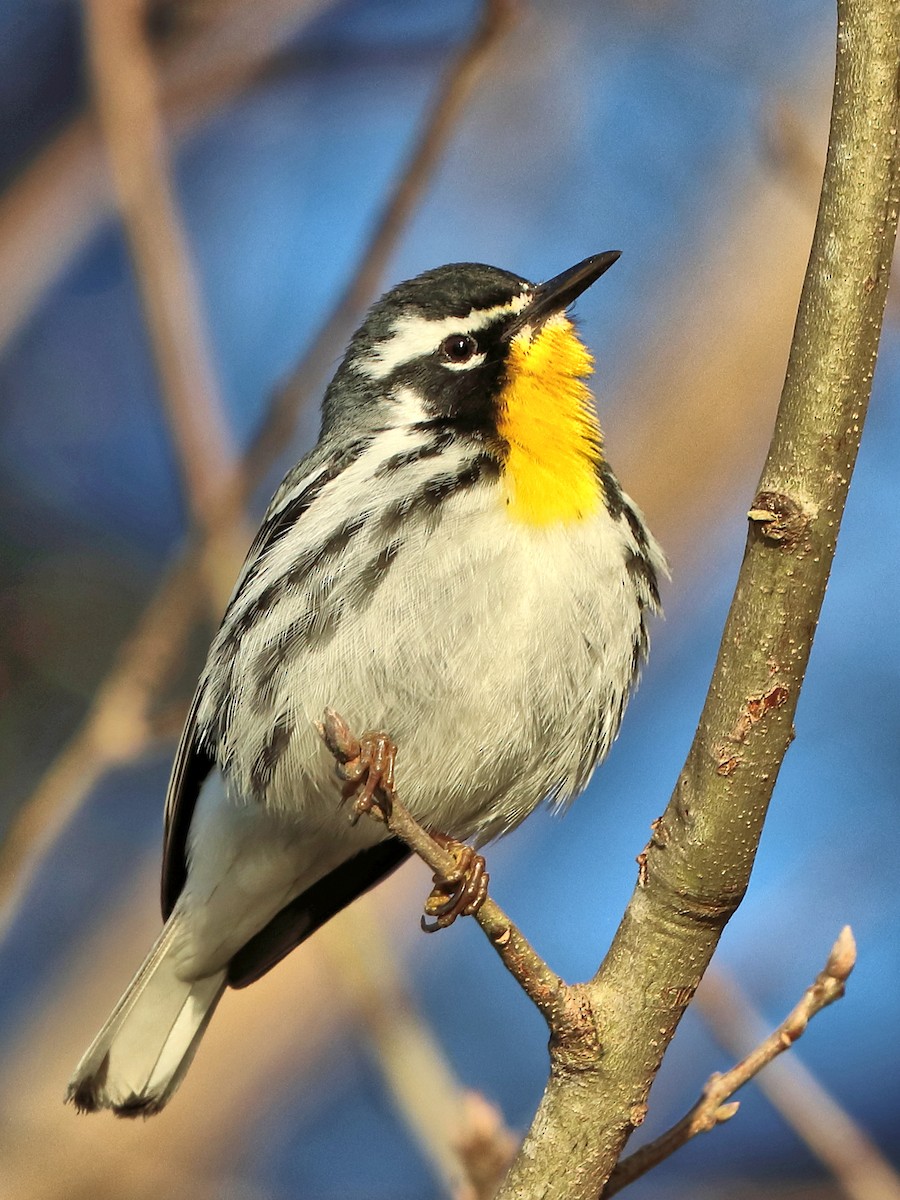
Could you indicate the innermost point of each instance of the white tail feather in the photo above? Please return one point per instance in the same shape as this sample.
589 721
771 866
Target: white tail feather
139 1057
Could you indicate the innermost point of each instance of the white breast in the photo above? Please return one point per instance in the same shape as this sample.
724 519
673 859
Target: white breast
497 655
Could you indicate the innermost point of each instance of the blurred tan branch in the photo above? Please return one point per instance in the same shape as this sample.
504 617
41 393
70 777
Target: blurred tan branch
115 731
127 103
831 1134
711 1109
60 199
462 1134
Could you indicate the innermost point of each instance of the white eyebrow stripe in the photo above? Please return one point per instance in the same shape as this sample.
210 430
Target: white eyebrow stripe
414 336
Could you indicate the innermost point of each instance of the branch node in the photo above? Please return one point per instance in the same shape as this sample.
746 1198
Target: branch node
779 519
574 1041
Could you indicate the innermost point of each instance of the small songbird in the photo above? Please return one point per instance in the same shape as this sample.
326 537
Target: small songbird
454 563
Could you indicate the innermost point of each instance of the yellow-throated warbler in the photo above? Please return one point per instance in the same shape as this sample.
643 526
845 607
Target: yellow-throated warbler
453 563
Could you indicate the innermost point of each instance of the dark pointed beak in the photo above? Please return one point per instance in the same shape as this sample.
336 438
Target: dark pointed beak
558 293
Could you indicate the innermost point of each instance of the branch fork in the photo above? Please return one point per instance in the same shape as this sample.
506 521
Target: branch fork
366 767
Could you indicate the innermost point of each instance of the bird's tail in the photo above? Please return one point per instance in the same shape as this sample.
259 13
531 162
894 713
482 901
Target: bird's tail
141 1054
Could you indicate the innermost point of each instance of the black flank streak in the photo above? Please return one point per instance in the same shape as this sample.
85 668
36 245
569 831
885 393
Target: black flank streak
273 530
326 623
643 576
322 557
639 649
635 525
427 500
615 501
418 453
268 758
374 572
316 560
267 665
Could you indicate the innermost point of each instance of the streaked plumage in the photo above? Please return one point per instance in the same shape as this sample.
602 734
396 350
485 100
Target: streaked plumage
453 563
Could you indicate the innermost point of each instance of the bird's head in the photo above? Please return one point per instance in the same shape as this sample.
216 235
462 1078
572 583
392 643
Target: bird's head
490 356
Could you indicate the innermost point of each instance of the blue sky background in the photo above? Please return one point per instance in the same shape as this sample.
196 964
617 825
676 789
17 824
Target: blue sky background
628 125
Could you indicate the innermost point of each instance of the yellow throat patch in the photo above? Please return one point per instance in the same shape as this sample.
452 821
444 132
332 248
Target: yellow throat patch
548 420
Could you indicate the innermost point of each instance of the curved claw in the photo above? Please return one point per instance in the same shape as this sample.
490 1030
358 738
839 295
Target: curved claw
459 893
367 764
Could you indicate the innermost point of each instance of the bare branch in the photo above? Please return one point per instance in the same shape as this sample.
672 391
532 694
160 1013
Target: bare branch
542 985
830 1133
712 1108
697 866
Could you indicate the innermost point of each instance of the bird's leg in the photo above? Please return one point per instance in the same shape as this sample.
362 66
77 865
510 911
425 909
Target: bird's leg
365 764
457 893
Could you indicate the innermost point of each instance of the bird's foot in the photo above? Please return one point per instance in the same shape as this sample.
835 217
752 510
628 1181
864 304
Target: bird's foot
366 765
457 893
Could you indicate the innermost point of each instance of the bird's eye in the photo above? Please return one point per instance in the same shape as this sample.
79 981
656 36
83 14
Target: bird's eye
458 348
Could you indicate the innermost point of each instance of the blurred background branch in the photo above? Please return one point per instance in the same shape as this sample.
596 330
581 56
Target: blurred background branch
126 101
51 210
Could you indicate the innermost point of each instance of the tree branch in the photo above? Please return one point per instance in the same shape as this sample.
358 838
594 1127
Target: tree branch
829 1132
711 1109
542 985
696 868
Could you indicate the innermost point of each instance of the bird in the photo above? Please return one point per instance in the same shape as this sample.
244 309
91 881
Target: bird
454 563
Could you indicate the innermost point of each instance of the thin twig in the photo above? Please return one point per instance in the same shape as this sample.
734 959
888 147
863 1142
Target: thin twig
827 1129
59 793
712 1108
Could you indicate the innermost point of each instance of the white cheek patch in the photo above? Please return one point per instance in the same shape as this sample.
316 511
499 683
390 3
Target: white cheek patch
415 337
407 407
